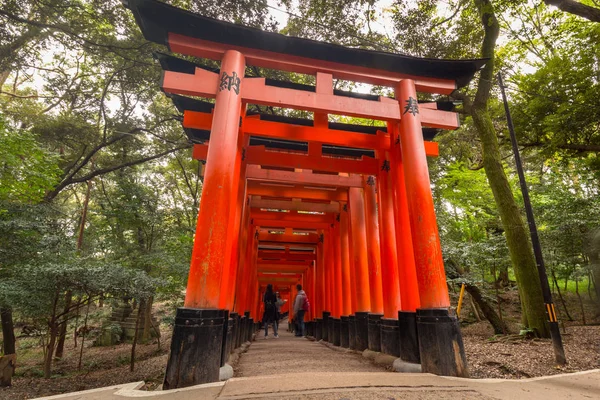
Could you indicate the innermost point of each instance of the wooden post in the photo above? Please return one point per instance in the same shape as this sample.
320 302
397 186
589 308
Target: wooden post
218 195
407 274
359 241
387 234
375 284
433 290
345 254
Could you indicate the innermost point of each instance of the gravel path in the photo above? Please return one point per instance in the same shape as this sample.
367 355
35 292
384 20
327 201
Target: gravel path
290 354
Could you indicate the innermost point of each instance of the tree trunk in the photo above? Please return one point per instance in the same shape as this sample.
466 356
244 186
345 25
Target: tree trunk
517 238
147 320
8 331
488 311
135 336
503 280
580 301
87 312
50 351
474 308
63 327
562 300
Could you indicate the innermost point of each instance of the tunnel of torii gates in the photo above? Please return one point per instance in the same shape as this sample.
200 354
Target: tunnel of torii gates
344 210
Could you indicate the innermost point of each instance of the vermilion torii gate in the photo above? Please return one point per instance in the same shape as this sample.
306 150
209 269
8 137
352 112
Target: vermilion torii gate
345 210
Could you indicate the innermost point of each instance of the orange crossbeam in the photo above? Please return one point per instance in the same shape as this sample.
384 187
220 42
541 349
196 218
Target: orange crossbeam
290 224
278 238
267 59
279 130
254 90
292 263
295 192
294 205
272 268
254 172
292 216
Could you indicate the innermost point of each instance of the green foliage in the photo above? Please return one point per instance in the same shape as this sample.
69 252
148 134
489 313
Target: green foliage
27 170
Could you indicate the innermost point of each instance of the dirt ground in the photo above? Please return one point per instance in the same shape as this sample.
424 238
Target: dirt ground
488 356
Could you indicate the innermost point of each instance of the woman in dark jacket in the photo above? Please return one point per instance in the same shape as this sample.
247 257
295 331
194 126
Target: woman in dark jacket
270 314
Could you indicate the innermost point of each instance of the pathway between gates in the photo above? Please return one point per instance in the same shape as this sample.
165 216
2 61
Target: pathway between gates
290 354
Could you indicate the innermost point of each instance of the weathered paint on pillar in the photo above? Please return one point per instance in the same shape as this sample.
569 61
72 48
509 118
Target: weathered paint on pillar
375 284
387 234
433 289
359 241
209 252
407 273
345 254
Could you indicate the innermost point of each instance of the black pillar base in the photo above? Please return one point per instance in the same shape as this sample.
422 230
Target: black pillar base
243 328
390 337
325 326
308 327
226 335
250 331
409 340
195 356
362 331
318 329
330 328
374 334
236 331
336 332
344 334
440 343
352 332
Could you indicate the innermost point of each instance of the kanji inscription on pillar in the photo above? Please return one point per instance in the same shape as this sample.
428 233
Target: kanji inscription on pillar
230 82
411 106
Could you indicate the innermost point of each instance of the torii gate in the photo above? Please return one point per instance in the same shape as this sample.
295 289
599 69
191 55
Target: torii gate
355 199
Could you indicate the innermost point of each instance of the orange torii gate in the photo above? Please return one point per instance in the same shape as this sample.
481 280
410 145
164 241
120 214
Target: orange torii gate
355 199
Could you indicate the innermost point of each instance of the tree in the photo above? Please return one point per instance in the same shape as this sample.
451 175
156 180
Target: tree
577 8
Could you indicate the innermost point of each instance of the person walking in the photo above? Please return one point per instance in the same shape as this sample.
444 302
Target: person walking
301 306
280 302
270 313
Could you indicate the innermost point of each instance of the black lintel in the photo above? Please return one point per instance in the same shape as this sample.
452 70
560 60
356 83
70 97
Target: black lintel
157 19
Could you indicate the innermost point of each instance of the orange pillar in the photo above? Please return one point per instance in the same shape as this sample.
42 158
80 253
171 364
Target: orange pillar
387 234
328 269
245 275
345 254
375 284
359 241
229 277
433 289
321 275
351 246
407 274
218 194
337 272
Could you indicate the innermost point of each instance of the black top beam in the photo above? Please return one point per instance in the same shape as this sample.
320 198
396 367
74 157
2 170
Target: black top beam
157 19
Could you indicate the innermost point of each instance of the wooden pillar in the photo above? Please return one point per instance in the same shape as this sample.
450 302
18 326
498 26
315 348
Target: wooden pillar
387 234
329 257
351 246
359 241
337 272
345 254
375 284
321 277
433 289
407 274
227 295
218 193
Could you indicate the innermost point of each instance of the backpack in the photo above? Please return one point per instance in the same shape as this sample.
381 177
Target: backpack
305 304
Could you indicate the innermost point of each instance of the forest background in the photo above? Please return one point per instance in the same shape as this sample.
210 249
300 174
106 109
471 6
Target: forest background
99 194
